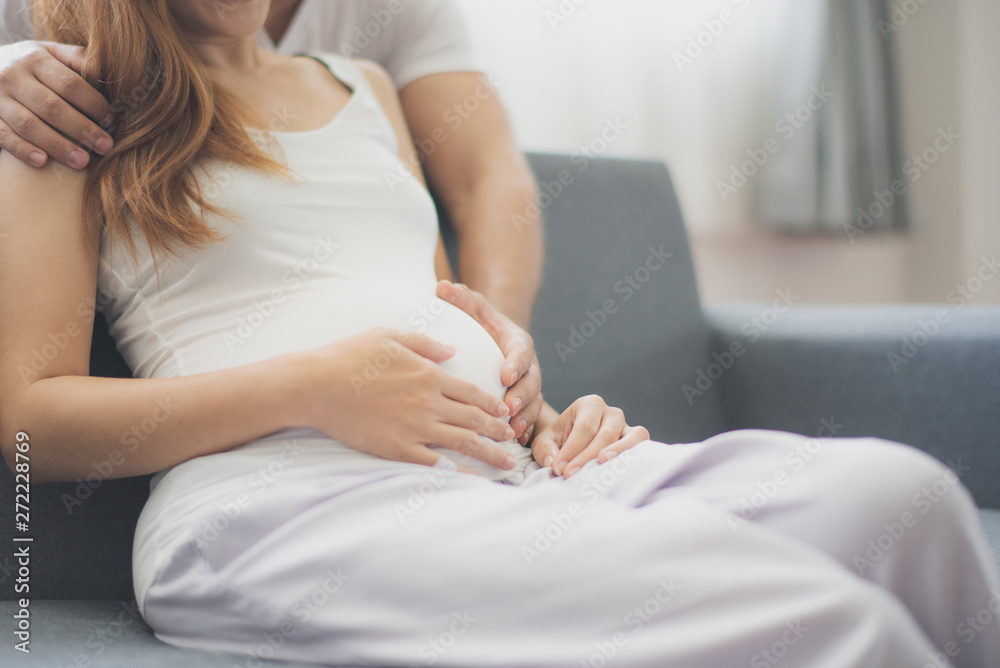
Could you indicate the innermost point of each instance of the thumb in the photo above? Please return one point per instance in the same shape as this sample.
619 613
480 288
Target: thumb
68 55
422 345
544 448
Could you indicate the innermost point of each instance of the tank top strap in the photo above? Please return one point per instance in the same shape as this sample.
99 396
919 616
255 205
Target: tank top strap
345 70
340 67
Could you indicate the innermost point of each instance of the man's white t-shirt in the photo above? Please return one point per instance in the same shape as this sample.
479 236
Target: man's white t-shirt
410 38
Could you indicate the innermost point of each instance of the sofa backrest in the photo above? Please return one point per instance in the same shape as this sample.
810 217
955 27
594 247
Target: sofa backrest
617 257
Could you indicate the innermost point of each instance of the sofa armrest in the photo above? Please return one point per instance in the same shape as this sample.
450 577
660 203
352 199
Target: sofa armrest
925 375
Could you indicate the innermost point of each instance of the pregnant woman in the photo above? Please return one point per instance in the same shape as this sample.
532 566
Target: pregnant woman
267 267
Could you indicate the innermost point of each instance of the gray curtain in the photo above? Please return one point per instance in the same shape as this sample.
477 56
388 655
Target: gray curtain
828 172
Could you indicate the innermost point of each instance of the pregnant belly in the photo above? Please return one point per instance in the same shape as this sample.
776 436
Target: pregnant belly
316 316
477 360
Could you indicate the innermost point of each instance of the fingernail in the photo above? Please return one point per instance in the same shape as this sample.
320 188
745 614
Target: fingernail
508 433
448 348
108 120
78 159
558 468
502 409
514 377
548 461
510 462
37 159
103 145
517 404
572 472
609 454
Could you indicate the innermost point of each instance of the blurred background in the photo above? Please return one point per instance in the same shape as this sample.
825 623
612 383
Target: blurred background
848 150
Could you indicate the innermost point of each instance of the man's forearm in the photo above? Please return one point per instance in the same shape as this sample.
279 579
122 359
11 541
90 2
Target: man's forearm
500 242
484 182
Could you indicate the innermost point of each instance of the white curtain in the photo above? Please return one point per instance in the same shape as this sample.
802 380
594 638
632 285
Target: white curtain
843 162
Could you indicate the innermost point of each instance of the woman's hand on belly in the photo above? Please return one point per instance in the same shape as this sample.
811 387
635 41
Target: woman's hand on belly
383 392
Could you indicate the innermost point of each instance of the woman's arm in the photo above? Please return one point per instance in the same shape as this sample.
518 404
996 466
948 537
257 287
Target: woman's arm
48 269
588 429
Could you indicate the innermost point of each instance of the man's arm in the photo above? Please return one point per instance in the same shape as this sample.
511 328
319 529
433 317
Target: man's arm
484 182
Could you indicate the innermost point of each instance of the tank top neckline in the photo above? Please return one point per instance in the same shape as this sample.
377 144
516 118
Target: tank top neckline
352 86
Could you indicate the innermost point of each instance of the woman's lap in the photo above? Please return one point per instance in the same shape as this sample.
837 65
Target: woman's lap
445 567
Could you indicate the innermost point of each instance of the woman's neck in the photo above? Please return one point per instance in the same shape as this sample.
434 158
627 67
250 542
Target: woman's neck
233 57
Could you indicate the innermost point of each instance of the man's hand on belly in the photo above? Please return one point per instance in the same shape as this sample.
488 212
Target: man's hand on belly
520 371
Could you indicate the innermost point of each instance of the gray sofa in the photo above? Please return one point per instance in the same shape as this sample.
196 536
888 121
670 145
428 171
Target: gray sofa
649 347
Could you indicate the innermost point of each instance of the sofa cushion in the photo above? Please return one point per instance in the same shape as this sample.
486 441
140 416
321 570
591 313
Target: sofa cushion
108 634
83 530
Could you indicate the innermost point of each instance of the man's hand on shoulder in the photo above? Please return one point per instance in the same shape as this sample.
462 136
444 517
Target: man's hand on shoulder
47 109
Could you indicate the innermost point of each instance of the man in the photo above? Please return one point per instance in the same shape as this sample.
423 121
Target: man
466 147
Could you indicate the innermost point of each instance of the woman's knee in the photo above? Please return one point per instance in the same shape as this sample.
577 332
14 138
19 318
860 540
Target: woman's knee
908 472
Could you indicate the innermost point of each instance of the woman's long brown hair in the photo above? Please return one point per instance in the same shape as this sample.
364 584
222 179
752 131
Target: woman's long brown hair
170 116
